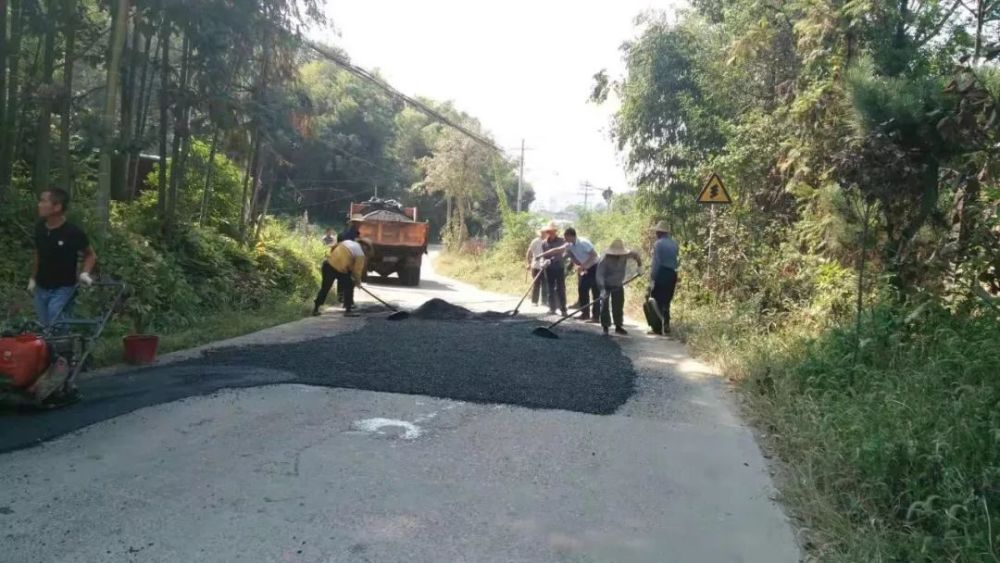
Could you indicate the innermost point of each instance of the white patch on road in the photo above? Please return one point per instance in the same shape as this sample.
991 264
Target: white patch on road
376 425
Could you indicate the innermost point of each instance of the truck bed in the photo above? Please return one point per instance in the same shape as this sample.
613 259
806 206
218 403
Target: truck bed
395 233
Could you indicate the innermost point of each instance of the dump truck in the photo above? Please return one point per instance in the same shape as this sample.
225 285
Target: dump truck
398 237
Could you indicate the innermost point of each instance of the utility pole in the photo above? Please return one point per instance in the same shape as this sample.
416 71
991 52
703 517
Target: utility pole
586 188
520 179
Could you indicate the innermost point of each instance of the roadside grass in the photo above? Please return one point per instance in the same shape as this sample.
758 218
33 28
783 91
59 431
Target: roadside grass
890 450
209 328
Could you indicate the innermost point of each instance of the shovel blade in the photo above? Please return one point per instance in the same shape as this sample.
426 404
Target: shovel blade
544 332
399 316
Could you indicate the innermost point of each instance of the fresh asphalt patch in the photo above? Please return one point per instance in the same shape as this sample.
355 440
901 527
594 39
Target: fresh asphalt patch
483 362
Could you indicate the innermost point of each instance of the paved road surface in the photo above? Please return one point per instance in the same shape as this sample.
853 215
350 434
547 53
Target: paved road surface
296 473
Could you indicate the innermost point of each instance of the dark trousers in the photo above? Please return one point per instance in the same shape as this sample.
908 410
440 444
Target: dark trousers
556 280
329 276
664 285
614 306
539 288
589 292
345 286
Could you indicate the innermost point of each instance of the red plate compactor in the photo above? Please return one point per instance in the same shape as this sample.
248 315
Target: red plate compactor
38 364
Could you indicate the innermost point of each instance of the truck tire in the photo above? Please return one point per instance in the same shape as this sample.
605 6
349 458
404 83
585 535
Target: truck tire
410 276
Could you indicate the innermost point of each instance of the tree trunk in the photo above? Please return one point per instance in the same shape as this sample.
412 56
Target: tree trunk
47 98
3 80
267 205
980 20
8 135
110 100
208 178
142 101
180 133
258 185
161 205
460 211
123 182
251 164
66 118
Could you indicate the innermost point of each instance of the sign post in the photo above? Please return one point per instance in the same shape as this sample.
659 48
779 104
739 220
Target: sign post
713 194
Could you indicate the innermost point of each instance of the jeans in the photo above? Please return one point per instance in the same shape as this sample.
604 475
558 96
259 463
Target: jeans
588 292
664 285
556 280
539 288
614 306
49 303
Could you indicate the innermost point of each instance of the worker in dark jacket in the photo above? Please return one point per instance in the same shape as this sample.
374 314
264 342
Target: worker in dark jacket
554 249
666 261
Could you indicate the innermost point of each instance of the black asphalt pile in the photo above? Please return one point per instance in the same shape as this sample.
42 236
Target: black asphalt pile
467 361
441 310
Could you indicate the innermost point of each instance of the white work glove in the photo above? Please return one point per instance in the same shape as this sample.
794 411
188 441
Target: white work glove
31 286
86 280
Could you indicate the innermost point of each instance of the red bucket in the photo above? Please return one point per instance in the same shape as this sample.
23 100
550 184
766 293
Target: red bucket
140 349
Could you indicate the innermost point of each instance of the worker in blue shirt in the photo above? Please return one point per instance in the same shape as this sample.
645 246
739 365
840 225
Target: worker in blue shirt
666 261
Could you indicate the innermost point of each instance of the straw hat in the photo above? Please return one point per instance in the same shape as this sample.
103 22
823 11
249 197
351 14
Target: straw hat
358 218
662 227
617 248
551 227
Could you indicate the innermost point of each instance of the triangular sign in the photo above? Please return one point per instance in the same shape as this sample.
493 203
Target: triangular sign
714 192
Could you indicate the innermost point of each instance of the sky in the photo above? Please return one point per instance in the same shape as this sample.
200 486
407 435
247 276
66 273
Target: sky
523 68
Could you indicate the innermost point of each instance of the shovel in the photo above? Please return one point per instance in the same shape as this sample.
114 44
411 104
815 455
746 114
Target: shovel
530 287
396 315
547 332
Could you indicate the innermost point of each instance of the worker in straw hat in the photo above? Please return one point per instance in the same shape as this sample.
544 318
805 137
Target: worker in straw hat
345 264
666 261
554 248
610 279
535 264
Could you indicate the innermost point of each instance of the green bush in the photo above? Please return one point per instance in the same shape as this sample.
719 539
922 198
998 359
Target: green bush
903 444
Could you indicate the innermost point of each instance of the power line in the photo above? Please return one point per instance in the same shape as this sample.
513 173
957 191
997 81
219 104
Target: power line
416 104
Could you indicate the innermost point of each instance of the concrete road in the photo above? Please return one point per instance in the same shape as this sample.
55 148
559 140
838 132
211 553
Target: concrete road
292 473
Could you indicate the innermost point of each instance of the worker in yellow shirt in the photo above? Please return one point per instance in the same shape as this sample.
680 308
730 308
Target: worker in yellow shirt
346 265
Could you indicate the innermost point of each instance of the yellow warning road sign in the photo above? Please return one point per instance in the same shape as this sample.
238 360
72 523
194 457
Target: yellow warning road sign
714 192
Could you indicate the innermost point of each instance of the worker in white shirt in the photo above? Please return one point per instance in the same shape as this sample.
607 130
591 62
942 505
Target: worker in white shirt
584 257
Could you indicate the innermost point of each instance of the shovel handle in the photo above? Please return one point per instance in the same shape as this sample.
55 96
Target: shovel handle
530 287
599 299
377 298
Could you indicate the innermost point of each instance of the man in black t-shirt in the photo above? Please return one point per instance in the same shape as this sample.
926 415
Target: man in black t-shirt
59 245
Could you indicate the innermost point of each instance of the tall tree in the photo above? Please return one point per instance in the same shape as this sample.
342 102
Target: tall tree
47 97
119 28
